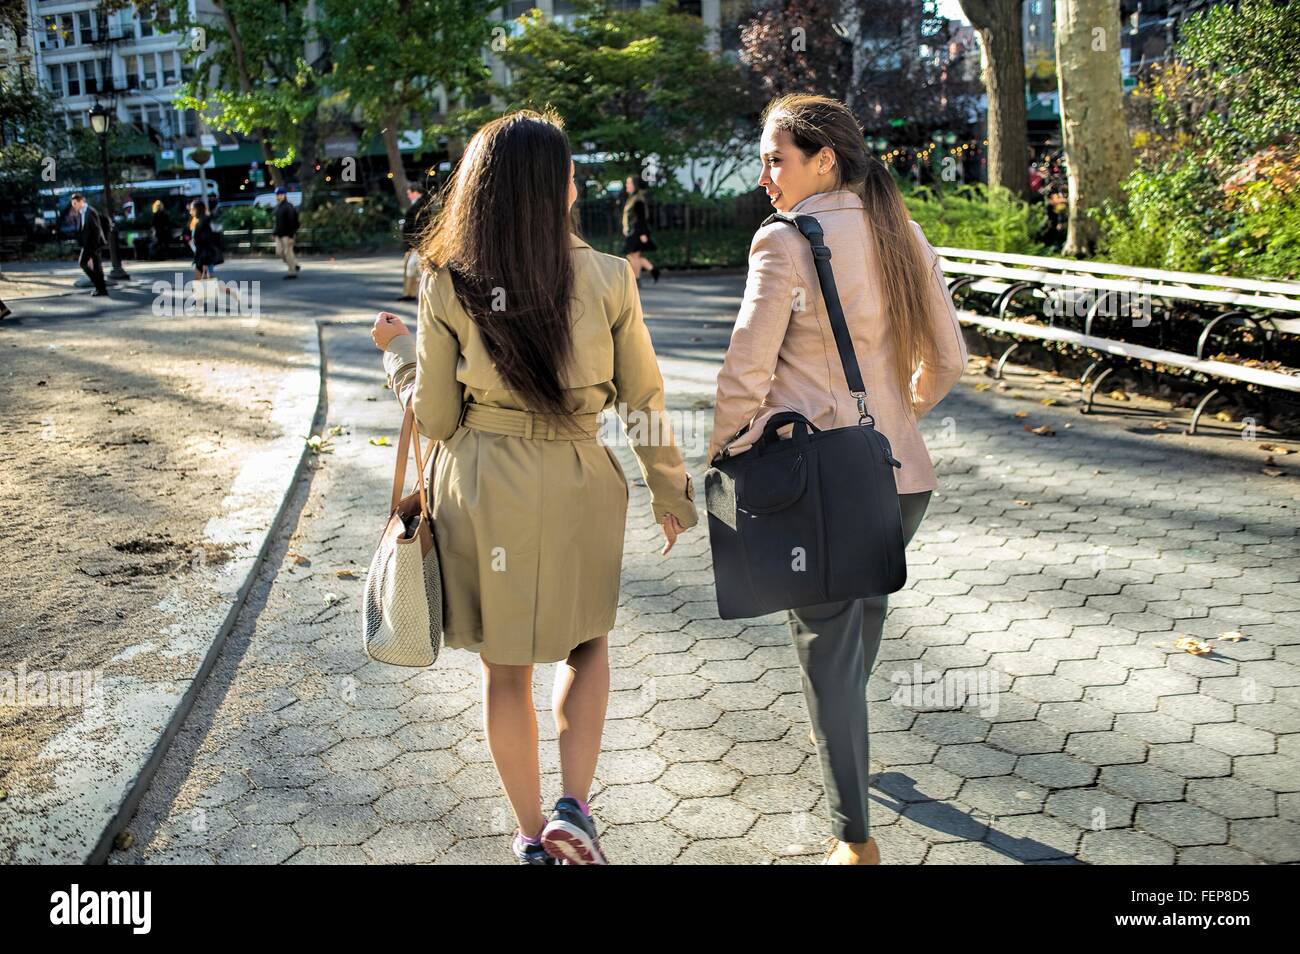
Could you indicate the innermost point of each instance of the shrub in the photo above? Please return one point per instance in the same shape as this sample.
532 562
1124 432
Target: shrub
976 217
246 217
345 225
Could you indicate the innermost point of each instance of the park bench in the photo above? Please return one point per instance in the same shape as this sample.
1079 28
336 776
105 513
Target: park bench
262 240
1013 288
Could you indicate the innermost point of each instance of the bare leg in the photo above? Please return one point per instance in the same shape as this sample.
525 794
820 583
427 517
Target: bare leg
638 263
511 726
579 702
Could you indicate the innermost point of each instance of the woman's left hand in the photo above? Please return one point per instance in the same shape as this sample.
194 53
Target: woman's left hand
387 326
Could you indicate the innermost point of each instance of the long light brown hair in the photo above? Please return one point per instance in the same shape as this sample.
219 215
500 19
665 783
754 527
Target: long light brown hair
817 121
504 235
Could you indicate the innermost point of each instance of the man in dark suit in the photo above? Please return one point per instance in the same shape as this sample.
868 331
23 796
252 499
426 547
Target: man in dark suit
91 238
412 227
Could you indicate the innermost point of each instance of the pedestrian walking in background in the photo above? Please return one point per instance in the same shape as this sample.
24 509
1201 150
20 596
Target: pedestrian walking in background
413 227
207 252
162 230
286 231
909 344
93 240
526 334
636 228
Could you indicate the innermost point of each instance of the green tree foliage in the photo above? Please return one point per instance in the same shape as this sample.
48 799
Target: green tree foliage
251 74
29 137
633 83
1217 185
390 57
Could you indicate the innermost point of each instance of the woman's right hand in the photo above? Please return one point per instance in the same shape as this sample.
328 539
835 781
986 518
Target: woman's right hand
387 326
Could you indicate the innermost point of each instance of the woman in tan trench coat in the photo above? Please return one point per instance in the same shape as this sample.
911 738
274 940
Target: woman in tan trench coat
526 333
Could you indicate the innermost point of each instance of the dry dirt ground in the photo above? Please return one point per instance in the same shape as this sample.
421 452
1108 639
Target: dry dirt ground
119 438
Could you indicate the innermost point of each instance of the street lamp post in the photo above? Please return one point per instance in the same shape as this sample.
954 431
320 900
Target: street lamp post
100 118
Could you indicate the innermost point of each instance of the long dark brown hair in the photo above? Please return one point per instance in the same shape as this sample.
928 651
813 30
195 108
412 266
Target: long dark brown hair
504 235
637 194
817 121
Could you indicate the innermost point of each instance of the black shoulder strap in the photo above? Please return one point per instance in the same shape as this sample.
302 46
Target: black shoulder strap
811 229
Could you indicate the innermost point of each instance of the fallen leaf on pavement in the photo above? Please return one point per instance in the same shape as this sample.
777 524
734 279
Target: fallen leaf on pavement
1024 503
1042 430
346 574
380 441
1190 644
1022 413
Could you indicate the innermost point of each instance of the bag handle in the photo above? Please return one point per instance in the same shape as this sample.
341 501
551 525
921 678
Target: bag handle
811 229
779 420
404 441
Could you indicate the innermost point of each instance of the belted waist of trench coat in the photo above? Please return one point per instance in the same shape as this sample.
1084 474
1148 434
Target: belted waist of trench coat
532 425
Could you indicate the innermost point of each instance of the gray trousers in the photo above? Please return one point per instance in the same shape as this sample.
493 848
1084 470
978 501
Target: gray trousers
837 645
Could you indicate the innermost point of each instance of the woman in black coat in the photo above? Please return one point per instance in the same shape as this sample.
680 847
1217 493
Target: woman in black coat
207 253
162 229
636 228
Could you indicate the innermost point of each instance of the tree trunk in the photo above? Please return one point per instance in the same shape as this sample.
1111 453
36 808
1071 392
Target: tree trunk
309 134
998 23
851 18
399 180
1098 152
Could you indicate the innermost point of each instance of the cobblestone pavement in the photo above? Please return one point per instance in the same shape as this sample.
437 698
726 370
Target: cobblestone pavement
1052 573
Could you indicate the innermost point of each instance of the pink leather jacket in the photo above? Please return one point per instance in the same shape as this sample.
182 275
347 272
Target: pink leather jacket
782 354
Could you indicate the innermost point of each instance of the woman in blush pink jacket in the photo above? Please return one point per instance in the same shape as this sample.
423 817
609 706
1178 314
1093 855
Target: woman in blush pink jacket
782 356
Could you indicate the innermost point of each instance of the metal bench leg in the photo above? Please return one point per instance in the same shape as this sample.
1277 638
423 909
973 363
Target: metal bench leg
1200 408
1002 361
1091 392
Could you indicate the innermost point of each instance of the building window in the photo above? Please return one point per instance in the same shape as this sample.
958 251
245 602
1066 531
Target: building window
146 28
169 61
150 63
56 80
84 27
74 79
131 66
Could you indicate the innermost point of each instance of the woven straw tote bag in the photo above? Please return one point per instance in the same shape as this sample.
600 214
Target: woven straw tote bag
401 615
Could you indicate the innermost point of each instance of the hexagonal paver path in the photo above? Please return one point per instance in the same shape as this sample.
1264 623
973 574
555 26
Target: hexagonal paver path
1028 704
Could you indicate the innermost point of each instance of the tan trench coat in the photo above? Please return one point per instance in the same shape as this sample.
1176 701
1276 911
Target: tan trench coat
530 530
782 354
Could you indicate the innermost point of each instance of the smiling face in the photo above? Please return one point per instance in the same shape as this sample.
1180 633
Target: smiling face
788 175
